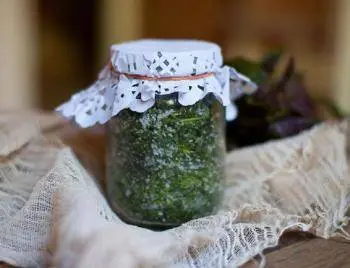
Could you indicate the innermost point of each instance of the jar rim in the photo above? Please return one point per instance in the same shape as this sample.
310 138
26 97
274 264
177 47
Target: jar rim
165 45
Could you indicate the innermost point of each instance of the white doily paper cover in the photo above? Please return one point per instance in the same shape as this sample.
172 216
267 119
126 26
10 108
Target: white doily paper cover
115 90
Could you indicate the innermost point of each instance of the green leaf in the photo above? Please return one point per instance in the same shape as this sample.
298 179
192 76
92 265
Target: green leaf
247 67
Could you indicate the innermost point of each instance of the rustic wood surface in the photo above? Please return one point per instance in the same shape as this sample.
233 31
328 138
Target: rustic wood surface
314 253
296 250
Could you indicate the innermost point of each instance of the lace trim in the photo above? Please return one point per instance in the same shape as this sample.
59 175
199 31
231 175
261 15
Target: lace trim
112 93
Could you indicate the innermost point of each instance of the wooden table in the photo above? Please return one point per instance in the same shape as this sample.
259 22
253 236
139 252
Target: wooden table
296 250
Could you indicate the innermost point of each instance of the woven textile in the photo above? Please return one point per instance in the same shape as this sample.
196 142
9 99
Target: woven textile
53 213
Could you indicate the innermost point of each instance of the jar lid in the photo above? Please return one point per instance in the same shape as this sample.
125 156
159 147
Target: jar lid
164 58
138 71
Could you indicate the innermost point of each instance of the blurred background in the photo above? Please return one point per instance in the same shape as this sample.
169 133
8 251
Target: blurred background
49 48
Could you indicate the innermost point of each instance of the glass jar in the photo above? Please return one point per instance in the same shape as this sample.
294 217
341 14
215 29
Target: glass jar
163 103
165 166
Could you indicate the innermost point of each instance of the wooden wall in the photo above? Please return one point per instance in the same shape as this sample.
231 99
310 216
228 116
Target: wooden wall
303 28
252 27
65 43
18 54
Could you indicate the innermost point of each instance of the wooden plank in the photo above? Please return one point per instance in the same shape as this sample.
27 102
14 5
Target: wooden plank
120 21
18 47
314 253
195 19
342 64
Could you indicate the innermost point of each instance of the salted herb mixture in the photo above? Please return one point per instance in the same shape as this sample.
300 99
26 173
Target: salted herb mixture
165 166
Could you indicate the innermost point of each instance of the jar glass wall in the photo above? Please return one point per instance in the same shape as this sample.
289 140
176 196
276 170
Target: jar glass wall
165 166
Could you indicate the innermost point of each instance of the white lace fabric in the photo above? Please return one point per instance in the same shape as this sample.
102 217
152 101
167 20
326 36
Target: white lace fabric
300 183
112 93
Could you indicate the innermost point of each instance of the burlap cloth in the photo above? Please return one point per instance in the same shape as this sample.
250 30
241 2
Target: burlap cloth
53 214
